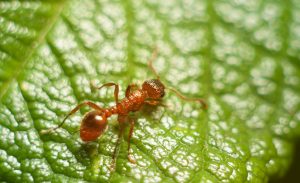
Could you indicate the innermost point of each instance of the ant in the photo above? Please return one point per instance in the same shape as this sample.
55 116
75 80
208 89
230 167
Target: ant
94 123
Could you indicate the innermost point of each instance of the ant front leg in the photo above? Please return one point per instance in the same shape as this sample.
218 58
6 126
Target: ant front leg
90 104
155 103
116 90
128 89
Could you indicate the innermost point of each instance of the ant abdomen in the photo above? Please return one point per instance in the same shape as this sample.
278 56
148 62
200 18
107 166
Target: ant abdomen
92 125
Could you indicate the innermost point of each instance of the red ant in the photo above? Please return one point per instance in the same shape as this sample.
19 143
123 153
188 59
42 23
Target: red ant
94 122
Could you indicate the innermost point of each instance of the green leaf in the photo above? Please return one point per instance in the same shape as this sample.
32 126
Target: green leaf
242 57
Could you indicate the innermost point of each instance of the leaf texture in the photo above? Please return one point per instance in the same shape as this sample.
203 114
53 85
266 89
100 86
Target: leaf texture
242 57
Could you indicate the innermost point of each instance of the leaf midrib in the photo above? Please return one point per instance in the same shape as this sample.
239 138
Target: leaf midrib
35 44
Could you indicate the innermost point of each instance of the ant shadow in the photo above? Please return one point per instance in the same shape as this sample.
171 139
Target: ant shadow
148 110
86 151
153 113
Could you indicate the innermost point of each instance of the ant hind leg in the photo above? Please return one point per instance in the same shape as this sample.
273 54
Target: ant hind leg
91 104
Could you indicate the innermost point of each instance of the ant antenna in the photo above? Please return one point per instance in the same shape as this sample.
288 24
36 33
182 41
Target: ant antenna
153 57
202 102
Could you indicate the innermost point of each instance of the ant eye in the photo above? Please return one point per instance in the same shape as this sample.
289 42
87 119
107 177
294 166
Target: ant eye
163 94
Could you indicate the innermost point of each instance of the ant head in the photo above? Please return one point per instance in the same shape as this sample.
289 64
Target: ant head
93 125
155 89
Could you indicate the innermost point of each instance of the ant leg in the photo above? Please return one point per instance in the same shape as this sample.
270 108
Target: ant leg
152 102
202 101
132 160
153 57
121 119
155 103
116 91
128 89
91 104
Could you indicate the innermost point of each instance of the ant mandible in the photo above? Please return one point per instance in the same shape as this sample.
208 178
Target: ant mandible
94 122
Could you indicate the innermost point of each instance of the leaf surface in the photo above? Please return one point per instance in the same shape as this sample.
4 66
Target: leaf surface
242 57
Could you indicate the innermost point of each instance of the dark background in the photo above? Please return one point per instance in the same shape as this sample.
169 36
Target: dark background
293 174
